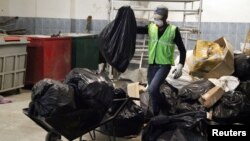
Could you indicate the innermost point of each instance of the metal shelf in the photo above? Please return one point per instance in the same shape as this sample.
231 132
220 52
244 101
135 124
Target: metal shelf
186 29
170 10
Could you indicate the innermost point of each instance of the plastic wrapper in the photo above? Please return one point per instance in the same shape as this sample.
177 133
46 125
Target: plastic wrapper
193 91
118 39
50 97
227 83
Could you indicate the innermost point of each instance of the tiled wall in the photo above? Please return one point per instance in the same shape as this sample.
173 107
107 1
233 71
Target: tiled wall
49 26
234 32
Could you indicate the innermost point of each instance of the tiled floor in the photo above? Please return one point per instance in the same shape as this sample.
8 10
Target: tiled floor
15 126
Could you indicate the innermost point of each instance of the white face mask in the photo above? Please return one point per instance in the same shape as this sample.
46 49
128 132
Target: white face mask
159 23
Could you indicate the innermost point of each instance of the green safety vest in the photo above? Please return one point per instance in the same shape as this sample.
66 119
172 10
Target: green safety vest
161 51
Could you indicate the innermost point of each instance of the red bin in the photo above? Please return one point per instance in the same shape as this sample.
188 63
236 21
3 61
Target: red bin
48 58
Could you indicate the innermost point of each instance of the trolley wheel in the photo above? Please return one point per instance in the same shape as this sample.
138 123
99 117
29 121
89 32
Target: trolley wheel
51 136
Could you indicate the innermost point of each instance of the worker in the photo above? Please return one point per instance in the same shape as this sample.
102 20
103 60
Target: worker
161 46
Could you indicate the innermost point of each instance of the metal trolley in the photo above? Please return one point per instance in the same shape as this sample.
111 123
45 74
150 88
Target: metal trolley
56 129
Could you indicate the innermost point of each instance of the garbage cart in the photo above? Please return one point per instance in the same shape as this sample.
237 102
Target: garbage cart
12 62
71 127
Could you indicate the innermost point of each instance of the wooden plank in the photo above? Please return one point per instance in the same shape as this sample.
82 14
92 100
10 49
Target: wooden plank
211 97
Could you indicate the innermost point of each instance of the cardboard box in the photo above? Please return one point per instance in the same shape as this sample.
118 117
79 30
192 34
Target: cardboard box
211 97
246 46
134 90
224 67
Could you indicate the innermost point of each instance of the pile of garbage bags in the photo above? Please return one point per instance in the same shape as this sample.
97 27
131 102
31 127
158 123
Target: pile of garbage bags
82 102
230 105
74 106
82 89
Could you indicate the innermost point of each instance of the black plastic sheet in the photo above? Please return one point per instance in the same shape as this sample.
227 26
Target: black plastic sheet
118 39
50 97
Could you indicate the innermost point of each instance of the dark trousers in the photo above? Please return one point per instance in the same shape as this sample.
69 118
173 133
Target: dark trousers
156 76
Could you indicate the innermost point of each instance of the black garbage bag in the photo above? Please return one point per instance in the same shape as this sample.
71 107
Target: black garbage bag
160 124
81 77
183 107
242 67
168 101
229 106
118 39
92 91
97 96
181 135
118 94
244 115
169 98
50 97
128 122
193 91
244 88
